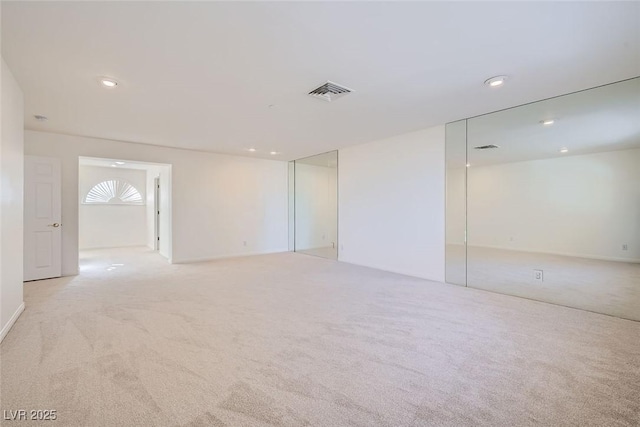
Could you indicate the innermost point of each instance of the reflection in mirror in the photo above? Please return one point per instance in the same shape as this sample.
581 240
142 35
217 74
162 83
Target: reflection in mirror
316 205
553 211
291 208
456 160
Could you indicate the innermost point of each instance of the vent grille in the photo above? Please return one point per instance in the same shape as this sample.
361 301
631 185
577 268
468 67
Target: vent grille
330 91
486 147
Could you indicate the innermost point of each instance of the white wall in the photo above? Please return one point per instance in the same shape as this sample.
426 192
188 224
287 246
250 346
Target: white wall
111 225
11 199
218 201
584 205
316 210
391 198
165 246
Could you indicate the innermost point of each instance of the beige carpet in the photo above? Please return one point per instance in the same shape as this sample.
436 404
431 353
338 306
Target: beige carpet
295 340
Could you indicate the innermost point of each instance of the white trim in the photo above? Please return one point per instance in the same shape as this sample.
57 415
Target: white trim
569 254
217 257
11 321
392 270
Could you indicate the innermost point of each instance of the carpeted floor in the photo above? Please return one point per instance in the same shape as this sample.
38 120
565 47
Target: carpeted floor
295 340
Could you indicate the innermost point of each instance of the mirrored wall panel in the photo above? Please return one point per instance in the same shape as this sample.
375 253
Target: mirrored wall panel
456 221
291 209
553 200
316 205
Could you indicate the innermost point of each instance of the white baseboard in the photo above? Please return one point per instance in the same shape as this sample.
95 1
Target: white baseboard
7 327
218 257
396 270
567 254
96 248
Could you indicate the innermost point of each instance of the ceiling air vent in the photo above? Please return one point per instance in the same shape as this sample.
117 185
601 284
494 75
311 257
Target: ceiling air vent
486 147
330 91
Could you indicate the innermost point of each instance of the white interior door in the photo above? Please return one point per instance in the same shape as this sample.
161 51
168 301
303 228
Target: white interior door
42 218
156 216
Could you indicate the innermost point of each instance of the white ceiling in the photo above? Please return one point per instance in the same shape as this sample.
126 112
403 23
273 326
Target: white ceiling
106 163
202 75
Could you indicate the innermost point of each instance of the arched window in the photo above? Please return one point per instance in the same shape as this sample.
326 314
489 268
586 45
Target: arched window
113 191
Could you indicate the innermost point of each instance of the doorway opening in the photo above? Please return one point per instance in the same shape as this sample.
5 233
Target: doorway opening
124 206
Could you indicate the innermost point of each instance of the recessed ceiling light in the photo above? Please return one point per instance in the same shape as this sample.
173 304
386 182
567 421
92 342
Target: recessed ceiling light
496 81
273 153
251 149
40 118
564 150
119 163
114 166
108 82
547 122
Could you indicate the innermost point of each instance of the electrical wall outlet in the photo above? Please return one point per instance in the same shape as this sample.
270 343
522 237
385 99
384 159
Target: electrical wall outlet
538 276
625 247
244 243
